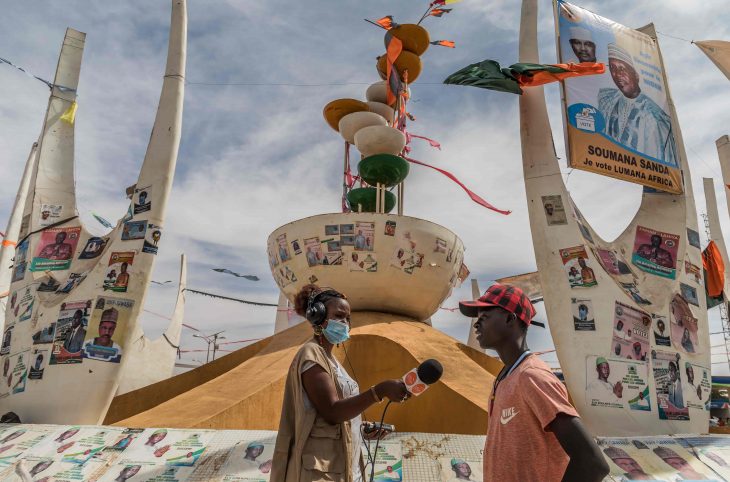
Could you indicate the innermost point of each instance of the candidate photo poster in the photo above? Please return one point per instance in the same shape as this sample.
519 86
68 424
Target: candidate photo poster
630 333
575 264
669 386
655 252
454 469
56 248
167 446
71 326
619 122
617 383
684 325
697 385
583 315
652 458
107 327
250 460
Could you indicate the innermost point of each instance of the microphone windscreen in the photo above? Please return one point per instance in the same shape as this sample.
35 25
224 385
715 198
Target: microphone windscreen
430 371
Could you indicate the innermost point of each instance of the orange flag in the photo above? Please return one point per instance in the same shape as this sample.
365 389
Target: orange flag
714 270
444 43
558 72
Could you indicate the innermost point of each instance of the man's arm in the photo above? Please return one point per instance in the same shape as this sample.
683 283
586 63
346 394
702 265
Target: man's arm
586 461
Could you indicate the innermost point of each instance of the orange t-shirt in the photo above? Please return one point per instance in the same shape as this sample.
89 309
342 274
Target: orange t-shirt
518 448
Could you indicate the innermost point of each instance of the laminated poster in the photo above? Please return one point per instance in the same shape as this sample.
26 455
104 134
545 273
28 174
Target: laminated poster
364 236
104 340
697 386
457 469
20 265
363 262
38 361
630 333
152 238
656 252
145 472
18 371
93 248
662 334
617 383
283 248
669 386
167 446
653 458
71 326
50 214
250 460
313 251
15 441
56 247
575 263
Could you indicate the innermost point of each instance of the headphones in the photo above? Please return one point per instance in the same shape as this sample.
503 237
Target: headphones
316 310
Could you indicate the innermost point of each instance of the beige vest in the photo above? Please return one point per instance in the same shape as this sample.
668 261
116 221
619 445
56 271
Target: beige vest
308 448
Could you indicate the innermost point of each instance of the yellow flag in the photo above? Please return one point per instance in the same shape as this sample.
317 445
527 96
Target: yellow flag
70 114
449 2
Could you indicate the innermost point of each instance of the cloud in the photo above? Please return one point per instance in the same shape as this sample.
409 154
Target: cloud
258 155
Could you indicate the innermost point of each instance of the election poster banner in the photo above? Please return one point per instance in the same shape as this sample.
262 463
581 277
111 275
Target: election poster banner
655 252
669 386
618 123
617 383
630 332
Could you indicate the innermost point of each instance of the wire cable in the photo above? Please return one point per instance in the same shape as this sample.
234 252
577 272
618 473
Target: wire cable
377 443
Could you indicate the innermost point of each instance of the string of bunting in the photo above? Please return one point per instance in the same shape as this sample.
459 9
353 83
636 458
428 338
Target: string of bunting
212 295
29 74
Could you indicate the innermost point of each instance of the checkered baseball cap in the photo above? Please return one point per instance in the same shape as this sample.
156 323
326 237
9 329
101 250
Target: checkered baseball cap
509 298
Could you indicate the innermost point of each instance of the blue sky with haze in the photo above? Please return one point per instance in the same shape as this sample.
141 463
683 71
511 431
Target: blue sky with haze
254 157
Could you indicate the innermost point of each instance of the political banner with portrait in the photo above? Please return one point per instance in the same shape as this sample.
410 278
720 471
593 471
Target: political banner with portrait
250 461
70 332
630 332
669 386
652 458
684 325
169 446
17 440
617 383
55 249
107 326
697 386
655 252
618 123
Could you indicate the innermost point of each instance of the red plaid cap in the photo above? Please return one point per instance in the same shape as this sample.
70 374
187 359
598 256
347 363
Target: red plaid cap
507 297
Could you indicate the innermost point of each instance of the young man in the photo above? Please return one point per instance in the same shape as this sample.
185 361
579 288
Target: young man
529 412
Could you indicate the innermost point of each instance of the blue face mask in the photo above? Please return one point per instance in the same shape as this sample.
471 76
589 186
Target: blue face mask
336 331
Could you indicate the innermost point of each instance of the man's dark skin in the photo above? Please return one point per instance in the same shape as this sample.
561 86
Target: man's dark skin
500 330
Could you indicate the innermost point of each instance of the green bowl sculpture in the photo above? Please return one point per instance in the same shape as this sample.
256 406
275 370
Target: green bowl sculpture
364 198
385 169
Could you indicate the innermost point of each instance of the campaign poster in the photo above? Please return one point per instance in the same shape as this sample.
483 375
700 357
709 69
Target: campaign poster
617 383
618 122
684 325
118 270
20 264
146 472
613 262
56 247
73 280
250 460
93 248
271 253
367 262
284 254
364 236
313 250
389 462
333 259
70 333
697 386
142 203
134 230
44 335
655 252
453 469
90 442
633 291
669 386
7 340
389 228
575 263
583 314
168 446
152 238
661 329
463 272
22 303
652 458
107 328
347 229
693 238
50 214
331 230
631 325
713 451
296 247
694 271
38 360
18 371
689 293
16 440
554 210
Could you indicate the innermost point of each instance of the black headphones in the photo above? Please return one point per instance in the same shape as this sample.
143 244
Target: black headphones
316 310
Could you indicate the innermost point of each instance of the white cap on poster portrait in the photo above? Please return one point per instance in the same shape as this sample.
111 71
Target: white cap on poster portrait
580 33
619 53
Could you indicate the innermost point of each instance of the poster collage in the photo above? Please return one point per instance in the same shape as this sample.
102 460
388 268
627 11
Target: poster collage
646 343
353 245
109 454
89 328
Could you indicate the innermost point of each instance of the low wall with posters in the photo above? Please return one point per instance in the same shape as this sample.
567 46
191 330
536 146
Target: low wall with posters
106 454
248 393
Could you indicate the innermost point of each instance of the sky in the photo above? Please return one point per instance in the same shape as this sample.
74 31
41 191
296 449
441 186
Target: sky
256 152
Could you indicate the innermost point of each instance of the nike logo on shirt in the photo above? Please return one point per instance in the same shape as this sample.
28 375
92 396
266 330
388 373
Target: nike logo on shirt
507 415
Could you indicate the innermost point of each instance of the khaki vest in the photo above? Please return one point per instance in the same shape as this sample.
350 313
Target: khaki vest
308 448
